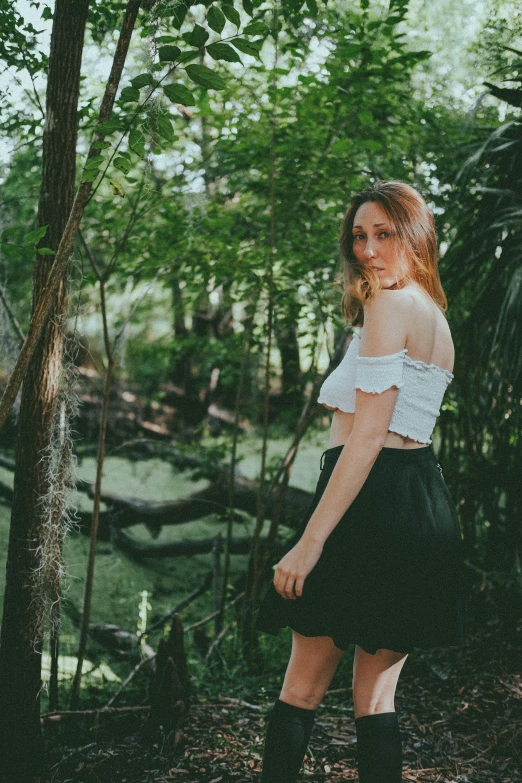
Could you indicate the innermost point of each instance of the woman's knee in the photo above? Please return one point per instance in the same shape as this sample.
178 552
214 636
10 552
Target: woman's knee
310 670
375 680
306 695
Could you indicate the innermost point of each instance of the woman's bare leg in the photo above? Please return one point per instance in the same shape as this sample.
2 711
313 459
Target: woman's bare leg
312 665
379 743
375 680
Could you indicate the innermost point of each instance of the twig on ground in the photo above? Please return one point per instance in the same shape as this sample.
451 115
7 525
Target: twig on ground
214 614
129 678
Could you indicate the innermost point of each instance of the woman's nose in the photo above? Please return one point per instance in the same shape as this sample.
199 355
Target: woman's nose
368 250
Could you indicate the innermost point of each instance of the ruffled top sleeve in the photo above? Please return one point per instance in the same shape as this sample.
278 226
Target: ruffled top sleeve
377 373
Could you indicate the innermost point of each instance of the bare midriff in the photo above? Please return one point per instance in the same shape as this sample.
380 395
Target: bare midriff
341 428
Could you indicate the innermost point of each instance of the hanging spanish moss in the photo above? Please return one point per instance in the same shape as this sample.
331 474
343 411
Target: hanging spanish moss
58 505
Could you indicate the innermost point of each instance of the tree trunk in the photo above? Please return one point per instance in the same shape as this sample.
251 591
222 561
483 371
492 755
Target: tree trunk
181 368
20 641
291 375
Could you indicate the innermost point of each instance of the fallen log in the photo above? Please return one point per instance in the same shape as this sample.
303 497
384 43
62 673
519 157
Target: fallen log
125 511
55 717
211 499
138 550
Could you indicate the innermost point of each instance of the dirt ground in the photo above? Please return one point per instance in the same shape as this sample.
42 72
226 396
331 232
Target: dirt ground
460 711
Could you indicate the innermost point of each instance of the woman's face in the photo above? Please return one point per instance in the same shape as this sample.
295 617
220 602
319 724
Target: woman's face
374 245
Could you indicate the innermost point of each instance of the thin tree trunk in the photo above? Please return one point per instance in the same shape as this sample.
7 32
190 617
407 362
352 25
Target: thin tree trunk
249 325
217 582
291 375
21 637
46 301
255 564
75 691
181 369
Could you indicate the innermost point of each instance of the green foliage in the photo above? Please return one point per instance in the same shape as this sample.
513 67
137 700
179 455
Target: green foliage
231 14
201 74
26 248
197 37
130 94
256 28
169 54
222 51
216 18
142 80
248 47
178 93
137 141
147 363
326 121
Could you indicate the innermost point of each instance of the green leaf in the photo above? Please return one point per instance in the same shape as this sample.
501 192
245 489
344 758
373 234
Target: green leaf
94 163
45 251
168 54
165 128
186 56
205 76
179 14
178 93
256 28
116 188
340 147
248 47
142 80
34 236
216 18
122 164
249 7
47 14
137 141
366 117
89 176
110 126
422 54
222 51
197 37
16 252
130 94
8 232
371 144
101 145
231 14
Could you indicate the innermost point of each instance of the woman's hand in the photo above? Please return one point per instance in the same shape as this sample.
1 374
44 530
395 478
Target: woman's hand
294 567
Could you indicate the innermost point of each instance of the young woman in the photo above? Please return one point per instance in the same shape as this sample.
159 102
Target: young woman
378 560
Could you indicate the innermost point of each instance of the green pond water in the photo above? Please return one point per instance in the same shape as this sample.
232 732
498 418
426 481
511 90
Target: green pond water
119 580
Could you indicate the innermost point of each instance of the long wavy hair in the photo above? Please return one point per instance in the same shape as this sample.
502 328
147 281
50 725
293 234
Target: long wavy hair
413 227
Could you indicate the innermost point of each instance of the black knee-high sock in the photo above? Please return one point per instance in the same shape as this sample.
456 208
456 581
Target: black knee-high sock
379 748
288 732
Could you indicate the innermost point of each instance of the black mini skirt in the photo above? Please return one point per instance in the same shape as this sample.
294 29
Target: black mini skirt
391 573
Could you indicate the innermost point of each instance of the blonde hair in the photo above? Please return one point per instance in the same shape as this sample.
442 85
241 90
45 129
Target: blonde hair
414 228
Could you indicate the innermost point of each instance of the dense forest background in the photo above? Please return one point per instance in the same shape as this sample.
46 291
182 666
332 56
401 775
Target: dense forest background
188 165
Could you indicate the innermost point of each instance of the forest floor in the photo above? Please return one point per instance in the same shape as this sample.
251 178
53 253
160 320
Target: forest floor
460 711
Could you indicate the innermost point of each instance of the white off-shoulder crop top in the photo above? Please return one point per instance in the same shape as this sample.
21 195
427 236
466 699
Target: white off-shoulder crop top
421 388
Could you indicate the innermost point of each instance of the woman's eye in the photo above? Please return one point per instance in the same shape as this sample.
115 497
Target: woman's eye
358 236
384 234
